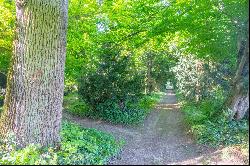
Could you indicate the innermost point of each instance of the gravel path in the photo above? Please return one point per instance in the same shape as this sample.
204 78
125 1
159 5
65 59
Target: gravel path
161 139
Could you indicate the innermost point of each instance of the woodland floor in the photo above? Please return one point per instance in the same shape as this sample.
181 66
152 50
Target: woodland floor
162 139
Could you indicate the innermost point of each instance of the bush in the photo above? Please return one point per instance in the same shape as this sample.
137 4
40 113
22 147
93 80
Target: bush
114 81
78 147
114 85
115 115
3 82
148 102
197 113
203 82
135 112
221 132
211 126
73 104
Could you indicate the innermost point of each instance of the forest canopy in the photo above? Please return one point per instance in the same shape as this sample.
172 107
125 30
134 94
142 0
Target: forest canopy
110 59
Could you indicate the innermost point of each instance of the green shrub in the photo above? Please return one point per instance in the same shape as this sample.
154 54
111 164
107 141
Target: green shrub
73 104
78 147
88 145
115 115
113 83
134 113
114 92
211 126
148 102
197 113
70 86
221 132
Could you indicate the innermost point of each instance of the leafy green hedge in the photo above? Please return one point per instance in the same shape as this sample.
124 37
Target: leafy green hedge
79 146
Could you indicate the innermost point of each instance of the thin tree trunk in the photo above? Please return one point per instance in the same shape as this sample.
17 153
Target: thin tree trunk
198 90
33 104
239 100
149 80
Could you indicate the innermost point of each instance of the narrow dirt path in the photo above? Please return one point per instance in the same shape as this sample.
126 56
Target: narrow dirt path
161 139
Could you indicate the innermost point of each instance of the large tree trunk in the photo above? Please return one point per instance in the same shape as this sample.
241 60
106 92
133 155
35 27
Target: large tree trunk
33 104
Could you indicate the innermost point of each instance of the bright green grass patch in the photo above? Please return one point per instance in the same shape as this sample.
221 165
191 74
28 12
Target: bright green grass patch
79 146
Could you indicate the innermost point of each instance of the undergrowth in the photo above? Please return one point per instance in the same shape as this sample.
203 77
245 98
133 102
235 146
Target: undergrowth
134 113
211 127
79 146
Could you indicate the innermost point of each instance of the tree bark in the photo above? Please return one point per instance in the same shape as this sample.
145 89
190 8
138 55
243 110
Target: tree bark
33 102
239 100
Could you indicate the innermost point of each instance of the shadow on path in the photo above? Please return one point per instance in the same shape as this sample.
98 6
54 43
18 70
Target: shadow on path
161 139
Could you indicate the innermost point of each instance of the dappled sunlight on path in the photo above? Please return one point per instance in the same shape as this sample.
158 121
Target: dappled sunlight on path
167 106
161 139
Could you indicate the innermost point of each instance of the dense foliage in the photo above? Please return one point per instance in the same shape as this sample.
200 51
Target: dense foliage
206 68
79 147
7 22
120 52
134 114
113 82
211 126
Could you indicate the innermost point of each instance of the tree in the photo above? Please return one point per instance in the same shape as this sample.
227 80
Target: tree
7 24
33 104
238 101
